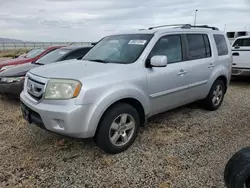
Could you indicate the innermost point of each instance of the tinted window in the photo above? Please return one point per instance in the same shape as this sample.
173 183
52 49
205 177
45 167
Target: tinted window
221 44
121 49
53 56
242 42
169 46
196 46
77 54
207 46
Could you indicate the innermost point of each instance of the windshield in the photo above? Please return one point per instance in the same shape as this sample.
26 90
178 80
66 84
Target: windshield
34 53
53 56
122 49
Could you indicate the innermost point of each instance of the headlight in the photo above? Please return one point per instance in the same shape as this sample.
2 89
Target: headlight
12 79
7 67
62 89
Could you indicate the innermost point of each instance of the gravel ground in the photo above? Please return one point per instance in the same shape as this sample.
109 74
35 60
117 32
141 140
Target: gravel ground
186 147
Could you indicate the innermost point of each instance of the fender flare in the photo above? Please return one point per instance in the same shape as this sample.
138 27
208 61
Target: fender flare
220 71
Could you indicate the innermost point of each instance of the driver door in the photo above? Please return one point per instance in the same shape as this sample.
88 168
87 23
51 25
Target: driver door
168 85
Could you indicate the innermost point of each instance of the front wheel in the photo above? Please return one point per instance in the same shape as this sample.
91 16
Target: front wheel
216 95
118 128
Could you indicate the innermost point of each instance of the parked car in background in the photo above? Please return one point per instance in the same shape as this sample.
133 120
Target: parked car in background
30 57
29 52
241 56
126 78
12 79
22 55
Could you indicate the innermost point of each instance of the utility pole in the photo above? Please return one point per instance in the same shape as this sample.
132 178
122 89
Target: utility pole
225 27
195 14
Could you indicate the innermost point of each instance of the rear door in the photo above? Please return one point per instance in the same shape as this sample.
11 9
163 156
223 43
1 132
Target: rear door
241 53
201 64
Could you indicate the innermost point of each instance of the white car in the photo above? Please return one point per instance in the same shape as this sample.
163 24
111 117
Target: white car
241 56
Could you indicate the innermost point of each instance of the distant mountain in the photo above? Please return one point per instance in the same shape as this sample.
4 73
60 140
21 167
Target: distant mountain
8 40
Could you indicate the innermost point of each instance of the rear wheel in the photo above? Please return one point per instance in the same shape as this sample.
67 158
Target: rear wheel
118 128
216 95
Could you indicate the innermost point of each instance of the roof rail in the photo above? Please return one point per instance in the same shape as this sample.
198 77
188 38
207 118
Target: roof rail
188 26
185 26
166 26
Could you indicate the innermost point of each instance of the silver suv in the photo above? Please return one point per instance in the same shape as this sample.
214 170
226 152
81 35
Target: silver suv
127 78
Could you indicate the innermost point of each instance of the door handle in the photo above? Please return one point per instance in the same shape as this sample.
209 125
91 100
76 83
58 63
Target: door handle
236 54
182 72
211 65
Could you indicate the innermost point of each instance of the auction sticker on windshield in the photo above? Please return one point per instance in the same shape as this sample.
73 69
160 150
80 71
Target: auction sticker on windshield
137 42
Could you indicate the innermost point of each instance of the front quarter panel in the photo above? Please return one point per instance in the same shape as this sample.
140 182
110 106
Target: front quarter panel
110 97
104 92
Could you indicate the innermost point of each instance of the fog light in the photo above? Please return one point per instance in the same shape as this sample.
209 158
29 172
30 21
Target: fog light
60 123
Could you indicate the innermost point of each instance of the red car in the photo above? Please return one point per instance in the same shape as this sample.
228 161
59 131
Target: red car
32 56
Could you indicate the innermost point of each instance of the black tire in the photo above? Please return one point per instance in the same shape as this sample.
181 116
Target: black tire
237 170
208 103
102 135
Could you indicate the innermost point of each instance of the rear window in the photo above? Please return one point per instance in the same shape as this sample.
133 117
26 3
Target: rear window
34 53
242 42
53 56
221 44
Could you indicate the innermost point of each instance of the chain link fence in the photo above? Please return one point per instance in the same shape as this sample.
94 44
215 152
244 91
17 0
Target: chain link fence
31 45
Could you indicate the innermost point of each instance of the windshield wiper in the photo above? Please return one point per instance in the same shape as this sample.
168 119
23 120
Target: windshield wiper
98 60
37 63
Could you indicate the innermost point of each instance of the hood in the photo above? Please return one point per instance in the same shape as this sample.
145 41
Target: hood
19 70
15 61
76 69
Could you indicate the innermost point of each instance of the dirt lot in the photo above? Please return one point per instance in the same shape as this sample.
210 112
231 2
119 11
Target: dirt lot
12 53
187 147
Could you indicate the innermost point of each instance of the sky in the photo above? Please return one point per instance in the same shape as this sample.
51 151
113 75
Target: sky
90 20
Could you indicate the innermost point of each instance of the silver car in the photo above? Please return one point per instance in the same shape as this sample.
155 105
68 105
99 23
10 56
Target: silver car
126 78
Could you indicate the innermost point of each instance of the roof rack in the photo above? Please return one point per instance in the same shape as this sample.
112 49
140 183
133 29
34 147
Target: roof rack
185 26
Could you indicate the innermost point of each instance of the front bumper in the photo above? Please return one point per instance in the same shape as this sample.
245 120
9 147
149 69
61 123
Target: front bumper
14 88
240 71
71 120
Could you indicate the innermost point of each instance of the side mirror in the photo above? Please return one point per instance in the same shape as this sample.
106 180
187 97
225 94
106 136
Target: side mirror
159 61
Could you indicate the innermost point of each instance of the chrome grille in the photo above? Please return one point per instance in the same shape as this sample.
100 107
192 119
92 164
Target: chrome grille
35 88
